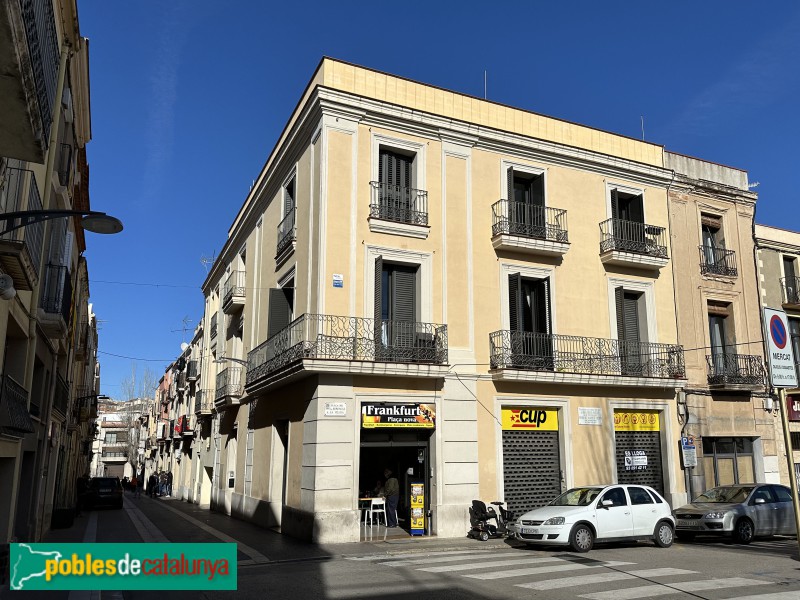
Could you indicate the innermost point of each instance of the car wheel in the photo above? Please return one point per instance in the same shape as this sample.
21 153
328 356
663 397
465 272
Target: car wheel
744 531
686 536
581 538
484 536
664 535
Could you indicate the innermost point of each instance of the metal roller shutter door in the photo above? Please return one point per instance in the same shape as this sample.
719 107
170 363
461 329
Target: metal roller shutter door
531 469
650 442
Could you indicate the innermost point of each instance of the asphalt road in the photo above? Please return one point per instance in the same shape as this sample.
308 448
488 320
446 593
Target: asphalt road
272 566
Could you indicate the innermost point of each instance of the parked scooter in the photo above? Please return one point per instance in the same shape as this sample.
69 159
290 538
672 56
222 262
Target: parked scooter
481 517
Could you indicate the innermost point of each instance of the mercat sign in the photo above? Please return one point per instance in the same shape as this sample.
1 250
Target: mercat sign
779 349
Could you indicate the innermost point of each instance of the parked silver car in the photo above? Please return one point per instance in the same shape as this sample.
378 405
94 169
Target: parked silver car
741 511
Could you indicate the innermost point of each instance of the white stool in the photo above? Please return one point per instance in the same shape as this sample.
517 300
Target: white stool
377 507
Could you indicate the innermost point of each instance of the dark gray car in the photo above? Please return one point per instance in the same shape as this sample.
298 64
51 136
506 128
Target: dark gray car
741 511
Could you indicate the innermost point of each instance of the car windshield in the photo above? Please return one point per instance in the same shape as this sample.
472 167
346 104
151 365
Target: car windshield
577 497
728 494
104 482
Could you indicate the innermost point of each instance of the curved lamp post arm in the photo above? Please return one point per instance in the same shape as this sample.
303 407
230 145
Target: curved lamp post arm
28 217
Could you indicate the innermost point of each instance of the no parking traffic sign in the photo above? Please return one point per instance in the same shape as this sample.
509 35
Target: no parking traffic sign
781 359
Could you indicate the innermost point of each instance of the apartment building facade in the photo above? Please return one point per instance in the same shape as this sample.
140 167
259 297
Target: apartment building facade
779 276
477 297
48 331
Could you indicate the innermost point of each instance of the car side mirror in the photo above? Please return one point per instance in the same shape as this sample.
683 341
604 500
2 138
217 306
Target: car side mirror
759 501
607 503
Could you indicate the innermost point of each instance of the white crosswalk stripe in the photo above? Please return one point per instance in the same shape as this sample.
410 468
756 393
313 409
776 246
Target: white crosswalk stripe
563 566
455 553
650 591
581 580
444 559
483 565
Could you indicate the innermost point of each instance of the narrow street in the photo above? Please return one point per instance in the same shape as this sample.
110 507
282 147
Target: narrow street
275 566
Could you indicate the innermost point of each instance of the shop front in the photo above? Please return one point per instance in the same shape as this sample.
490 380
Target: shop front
395 443
638 443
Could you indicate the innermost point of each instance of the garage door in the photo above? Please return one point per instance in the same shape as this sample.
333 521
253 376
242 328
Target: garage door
531 460
638 448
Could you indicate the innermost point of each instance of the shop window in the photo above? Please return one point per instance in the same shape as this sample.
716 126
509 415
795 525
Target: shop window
728 461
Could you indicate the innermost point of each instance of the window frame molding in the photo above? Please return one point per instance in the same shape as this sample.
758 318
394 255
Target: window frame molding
422 260
625 189
529 272
634 285
506 164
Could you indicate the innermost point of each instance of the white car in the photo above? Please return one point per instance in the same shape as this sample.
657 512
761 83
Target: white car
604 513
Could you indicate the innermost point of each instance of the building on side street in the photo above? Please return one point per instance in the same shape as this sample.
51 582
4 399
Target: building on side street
779 284
50 377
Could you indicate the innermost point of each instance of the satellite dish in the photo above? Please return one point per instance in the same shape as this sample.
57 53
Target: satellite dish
184 346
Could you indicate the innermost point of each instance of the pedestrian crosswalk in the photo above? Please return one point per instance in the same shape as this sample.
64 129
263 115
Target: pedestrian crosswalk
585 577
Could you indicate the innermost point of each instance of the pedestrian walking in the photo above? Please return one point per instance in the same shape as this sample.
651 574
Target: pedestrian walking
152 483
392 492
169 484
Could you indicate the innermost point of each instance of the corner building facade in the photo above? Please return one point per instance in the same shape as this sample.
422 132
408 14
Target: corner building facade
477 297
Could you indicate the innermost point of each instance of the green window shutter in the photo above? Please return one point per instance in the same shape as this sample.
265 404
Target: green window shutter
537 191
636 209
541 295
515 318
789 273
280 311
378 291
510 180
632 333
614 204
404 283
289 197
619 302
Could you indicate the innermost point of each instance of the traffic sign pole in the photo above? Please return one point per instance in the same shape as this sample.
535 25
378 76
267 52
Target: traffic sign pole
787 440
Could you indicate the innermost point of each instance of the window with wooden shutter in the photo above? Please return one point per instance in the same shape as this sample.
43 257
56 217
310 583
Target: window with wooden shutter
629 330
281 302
529 321
289 198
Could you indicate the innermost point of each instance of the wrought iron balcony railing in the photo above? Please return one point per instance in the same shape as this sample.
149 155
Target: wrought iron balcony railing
20 192
61 397
523 219
332 337
64 166
791 290
630 236
287 231
398 203
735 369
717 261
230 383
203 401
585 355
15 398
40 32
213 328
234 286
56 295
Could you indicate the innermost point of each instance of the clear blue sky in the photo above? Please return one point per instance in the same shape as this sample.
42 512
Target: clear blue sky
188 98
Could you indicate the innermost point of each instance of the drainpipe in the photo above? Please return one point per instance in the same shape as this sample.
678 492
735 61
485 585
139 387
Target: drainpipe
52 148
680 392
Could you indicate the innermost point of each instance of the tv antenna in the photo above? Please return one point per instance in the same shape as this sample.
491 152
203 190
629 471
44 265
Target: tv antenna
186 320
208 260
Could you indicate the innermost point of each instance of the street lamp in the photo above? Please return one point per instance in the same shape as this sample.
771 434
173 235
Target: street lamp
92 220
223 359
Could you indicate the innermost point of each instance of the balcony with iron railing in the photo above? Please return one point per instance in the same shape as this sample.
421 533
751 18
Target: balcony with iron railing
61 396
316 343
555 358
191 370
16 420
790 286
230 386
633 244
735 371
30 73
204 402
55 301
524 227
81 339
64 164
213 326
21 249
287 235
717 261
398 209
233 291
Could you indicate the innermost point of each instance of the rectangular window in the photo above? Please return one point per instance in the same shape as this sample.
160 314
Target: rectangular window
281 308
398 335
791 284
728 461
111 438
631 329
526 205
627 206
529 322
395 195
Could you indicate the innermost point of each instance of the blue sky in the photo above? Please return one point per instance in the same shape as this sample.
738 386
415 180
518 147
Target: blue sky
188 98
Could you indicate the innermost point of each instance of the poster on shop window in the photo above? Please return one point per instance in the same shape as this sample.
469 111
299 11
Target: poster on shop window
417 505
418 415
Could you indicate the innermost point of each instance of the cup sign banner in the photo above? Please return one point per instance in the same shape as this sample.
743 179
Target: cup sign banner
779 349
530 418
